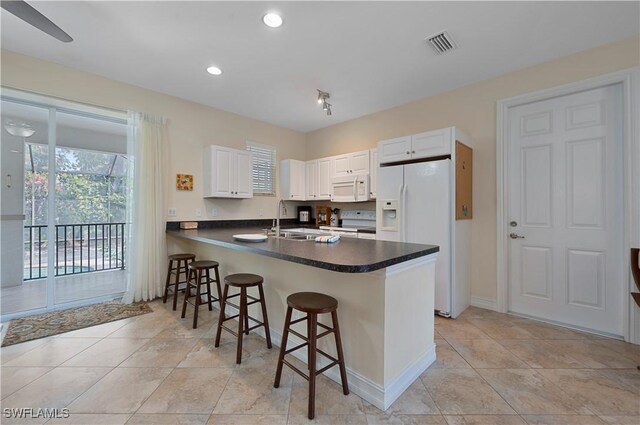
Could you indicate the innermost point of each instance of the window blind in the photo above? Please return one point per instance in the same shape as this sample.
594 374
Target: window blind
264 169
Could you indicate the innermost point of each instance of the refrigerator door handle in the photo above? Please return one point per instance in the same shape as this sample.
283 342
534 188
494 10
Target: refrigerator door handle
403 214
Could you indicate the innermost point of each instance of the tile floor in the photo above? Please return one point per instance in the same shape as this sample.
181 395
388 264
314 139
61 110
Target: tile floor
154 369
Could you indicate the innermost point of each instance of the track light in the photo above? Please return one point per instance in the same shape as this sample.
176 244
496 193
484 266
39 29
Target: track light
322 100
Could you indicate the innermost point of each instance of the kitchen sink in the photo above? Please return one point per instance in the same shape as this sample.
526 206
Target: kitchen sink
297 236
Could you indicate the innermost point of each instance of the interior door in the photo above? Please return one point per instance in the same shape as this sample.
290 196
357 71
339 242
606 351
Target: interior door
565 210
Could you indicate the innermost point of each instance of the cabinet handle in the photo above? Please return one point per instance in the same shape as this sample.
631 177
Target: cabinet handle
408 152
413 151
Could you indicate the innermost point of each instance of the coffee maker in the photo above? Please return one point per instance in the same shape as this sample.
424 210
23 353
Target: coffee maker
304 214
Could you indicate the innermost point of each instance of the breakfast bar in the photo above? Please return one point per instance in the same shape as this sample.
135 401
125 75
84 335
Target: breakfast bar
385 291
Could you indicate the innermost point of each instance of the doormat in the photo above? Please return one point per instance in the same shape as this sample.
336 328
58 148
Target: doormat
57 322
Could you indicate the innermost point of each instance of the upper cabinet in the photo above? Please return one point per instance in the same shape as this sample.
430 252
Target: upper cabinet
325 166
227 173
423 145
311 179
352 163
373 179
293 179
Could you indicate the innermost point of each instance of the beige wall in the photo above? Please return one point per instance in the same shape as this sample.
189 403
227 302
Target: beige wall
473 109
191 126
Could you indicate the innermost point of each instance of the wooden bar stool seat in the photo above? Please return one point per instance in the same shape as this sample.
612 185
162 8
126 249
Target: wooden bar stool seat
182 261
199 270
312 303
243 281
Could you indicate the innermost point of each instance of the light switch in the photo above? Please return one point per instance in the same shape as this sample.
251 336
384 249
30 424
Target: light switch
171 212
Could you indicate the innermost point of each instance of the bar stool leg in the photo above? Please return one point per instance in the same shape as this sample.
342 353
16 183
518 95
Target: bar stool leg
246 316
312 318
198 299
265 320
343 370
187 293
241 320
215 270
283 346
167 283
209 291
223 303
177 280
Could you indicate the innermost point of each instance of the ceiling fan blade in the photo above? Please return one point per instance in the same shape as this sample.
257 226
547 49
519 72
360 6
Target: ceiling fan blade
30 15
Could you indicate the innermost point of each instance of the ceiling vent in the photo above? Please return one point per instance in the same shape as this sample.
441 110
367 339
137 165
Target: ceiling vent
441 42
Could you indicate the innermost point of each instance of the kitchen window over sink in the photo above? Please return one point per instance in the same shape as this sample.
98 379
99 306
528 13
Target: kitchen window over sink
264 169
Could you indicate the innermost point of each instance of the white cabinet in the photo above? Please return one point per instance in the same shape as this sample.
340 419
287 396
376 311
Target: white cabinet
423 145
373 176
227 173
324 178
292 179
311 179
352 163
394 150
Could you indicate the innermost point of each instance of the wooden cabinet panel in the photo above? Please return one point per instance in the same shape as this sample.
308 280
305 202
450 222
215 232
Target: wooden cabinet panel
464 182
431 143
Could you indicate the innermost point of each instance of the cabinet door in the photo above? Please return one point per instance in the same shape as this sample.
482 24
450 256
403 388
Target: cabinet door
432 143
324 178
296 180
373 173
311 180
341 166
393 150
222 173
359 162
243 175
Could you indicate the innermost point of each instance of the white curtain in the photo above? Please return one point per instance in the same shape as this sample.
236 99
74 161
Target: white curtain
147 255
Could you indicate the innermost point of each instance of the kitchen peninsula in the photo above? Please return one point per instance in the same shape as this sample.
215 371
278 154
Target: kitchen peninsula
385 290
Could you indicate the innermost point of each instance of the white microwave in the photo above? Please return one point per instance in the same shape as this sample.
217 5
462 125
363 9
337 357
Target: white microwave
350 188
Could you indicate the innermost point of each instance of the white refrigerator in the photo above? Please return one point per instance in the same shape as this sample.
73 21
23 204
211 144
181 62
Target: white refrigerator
415 205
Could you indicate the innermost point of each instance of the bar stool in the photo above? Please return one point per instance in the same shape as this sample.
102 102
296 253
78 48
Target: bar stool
197 271
243 281
181 267
313 304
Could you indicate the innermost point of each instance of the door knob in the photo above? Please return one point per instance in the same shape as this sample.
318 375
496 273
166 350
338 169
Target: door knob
515 236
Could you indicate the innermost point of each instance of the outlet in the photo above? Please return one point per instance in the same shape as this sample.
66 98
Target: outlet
198 212
171 212
215 212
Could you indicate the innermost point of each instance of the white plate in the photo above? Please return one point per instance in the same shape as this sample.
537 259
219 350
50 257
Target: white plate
251 237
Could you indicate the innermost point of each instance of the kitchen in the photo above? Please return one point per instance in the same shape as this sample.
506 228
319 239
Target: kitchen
470 107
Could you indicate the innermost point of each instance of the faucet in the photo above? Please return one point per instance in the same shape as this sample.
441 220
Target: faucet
280 202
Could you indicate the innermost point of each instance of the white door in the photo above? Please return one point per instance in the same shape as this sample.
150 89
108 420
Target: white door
565 210
359 162
341 166
427 219
324 178
311 176
244 175
373 165
223 170
432 143
394 150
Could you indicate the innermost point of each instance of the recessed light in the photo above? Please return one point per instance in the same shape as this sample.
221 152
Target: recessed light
272 20
214 70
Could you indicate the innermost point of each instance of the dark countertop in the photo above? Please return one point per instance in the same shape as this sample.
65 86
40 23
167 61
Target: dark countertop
349 255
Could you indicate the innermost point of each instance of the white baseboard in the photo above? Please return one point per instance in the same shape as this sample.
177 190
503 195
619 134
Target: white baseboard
484 303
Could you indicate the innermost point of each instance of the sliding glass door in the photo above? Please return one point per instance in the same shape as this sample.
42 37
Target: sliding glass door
64 210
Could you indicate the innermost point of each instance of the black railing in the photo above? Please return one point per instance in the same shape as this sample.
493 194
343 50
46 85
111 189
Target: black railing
80 248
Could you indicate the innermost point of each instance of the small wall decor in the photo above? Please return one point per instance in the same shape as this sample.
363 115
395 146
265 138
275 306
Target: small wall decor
184 181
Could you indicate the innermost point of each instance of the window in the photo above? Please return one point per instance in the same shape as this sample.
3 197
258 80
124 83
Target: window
264 169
